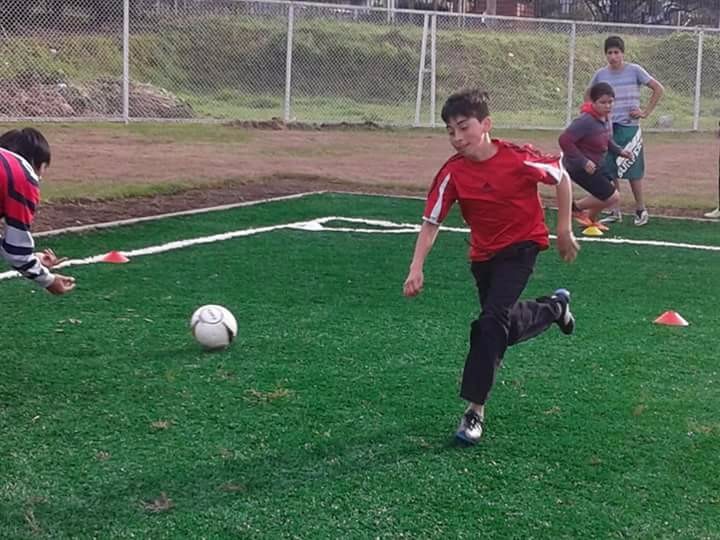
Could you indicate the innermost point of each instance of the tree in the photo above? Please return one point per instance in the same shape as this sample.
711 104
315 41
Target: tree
648 11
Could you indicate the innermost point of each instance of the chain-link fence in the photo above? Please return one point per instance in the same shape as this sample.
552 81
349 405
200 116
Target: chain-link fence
321 63
60 63
217 61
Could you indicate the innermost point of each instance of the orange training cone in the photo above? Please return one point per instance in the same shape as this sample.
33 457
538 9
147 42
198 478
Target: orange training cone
671 318
115 257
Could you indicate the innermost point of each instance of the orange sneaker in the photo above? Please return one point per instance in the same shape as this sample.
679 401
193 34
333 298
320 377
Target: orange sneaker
583 219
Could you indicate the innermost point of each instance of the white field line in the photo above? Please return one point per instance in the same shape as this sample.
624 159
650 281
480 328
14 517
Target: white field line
658 243
133 221
319 225
422 198
170 246
390 227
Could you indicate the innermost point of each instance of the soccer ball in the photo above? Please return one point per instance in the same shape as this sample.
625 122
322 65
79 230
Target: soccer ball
213 326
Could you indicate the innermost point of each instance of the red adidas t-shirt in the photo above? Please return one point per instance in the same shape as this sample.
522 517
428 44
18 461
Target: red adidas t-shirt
498 197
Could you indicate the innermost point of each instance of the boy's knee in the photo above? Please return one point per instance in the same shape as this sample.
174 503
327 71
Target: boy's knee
614 199
494 320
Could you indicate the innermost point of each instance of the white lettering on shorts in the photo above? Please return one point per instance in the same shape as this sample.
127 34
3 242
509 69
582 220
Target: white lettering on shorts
634 146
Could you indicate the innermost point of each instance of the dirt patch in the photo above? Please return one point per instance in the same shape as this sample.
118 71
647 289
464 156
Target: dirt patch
68 214
259 163
102 98
278 124
73 213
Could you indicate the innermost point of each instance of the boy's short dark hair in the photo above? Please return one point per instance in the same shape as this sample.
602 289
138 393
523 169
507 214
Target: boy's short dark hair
600 89
469 103
28 143
614 42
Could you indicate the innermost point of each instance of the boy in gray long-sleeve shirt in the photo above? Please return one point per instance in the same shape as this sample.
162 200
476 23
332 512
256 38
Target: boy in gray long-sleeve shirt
585 143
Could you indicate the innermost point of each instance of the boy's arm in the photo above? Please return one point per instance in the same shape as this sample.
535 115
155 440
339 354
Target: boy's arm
441 197
17 245
657 92
613 147
568 143
18 250
644 78
425 240
567 245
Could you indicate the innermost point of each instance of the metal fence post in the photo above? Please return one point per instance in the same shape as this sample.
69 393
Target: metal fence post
571 74
390 11
421 69
126 62
288 62
698 82
433 64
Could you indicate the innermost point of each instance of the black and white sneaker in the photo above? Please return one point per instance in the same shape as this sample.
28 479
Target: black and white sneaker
641 217
566 320
471 427
613 216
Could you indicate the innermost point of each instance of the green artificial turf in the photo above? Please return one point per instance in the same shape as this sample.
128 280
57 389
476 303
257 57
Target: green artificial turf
332 414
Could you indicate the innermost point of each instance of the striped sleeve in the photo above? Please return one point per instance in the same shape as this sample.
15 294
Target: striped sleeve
20 199
440 198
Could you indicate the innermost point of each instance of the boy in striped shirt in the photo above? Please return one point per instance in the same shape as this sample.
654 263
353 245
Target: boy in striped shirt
495 183
24 156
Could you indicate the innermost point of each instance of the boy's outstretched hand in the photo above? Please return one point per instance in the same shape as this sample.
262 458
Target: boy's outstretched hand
61 285
413 283
567 246
49 259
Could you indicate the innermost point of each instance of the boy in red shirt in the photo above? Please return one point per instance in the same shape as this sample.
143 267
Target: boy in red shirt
24 157
496 184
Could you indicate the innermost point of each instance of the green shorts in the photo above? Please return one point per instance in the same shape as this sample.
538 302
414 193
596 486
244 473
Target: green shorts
627 138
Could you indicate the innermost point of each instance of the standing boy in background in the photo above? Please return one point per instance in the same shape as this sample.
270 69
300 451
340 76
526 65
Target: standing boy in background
626 80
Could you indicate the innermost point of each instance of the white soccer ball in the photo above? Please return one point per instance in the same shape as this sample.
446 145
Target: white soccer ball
213 326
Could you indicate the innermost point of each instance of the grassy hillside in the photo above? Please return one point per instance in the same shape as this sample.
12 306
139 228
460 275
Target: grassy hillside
354 71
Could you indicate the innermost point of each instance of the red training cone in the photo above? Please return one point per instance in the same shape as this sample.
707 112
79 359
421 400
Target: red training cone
671 318
115 257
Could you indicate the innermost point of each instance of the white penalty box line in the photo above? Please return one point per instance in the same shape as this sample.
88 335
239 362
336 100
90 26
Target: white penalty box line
358 225
402 228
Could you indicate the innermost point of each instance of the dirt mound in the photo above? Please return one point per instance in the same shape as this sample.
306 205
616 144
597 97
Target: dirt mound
278 124
102 97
